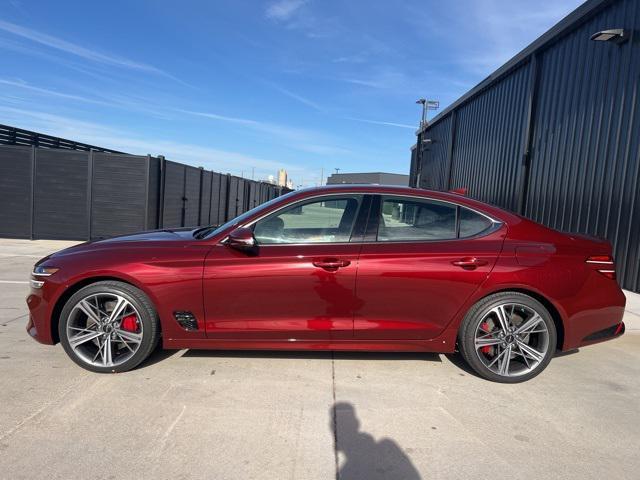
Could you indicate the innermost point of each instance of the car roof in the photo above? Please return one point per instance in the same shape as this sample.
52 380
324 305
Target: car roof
491 210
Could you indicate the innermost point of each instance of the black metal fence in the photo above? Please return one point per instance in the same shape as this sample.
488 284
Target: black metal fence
69 194
19 136
554 134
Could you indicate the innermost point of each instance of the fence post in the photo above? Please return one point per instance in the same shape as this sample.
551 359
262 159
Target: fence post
184 195
210 198
227 198
33 192
200 198
163 178
89 191
146 193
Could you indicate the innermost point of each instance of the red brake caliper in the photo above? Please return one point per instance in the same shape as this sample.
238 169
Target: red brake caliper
487 349
130 323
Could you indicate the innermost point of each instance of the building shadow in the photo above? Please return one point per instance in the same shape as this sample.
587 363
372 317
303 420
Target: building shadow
366 457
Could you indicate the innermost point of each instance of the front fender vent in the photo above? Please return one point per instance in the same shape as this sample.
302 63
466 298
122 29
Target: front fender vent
186 320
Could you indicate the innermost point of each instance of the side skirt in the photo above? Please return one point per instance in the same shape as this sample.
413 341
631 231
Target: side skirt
434 345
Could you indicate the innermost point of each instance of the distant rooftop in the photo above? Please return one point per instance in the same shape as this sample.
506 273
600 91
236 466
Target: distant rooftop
379 178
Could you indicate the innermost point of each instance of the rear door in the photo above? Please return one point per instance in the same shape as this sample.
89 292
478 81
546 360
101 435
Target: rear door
421 260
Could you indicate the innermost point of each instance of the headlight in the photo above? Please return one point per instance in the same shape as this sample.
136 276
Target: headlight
40 271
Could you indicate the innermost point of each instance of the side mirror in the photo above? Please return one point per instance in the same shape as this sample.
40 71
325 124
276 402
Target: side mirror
242 239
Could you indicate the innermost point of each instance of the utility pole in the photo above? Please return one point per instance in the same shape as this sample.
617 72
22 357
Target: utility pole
321 176
426 105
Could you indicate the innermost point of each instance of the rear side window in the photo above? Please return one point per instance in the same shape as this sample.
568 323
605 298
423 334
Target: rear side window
472 223
413 219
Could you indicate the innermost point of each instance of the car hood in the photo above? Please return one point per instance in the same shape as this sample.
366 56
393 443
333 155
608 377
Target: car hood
129 241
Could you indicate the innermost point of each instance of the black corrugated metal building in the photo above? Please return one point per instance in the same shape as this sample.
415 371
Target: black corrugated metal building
554 133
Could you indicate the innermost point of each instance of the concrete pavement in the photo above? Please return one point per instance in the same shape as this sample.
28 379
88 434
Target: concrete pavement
256 415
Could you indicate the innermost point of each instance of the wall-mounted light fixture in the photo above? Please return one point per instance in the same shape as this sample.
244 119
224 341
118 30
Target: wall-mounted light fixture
615 35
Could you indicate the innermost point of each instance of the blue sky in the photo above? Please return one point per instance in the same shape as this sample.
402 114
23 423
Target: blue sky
242 86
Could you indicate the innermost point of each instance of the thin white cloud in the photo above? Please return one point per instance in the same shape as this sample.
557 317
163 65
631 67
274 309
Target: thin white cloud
384 77
388 124
83 52
114 138
297 97
118 101
296 138
291 137
355 59
364 82
45 91
494 30
68 47
283 9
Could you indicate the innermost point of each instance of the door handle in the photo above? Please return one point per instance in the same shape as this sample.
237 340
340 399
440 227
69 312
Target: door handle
469 263
331 263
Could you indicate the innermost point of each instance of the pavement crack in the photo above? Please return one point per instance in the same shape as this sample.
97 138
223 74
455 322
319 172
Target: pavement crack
335 415
163 440
14 319
18 426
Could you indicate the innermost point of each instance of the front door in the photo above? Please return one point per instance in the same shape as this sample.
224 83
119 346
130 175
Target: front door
298 285
420 265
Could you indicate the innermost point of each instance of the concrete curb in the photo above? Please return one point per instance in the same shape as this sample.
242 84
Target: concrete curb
632 312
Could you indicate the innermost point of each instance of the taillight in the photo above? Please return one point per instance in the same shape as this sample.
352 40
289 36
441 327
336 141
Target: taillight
603 264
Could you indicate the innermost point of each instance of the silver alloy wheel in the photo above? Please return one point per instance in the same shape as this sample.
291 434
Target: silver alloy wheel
511 339
95 330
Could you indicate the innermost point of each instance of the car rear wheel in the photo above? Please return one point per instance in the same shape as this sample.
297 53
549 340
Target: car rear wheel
508 337
108 327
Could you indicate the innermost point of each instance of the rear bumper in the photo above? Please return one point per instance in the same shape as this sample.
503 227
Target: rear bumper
605 334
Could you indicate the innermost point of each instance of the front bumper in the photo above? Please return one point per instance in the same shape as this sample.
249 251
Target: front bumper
40 310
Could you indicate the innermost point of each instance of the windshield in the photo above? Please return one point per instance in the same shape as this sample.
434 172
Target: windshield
208 232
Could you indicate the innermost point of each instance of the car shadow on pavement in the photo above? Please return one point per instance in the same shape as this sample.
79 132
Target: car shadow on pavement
458 361
564 354
323 355
365 458
158 355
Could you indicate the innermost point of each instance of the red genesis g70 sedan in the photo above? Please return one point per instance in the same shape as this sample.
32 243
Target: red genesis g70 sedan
346 267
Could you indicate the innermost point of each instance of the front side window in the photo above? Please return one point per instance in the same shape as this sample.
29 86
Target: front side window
326 220
414 219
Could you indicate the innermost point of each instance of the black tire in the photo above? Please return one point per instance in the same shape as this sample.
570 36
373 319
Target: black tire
147 315
471 323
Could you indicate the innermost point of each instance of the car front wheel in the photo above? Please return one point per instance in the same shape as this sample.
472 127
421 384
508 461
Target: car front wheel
108 327
508 337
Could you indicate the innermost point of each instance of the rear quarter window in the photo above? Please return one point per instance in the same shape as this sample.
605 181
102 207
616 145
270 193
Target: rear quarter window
472 223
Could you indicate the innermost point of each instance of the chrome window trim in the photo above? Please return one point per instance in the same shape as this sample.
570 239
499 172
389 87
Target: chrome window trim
496 224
